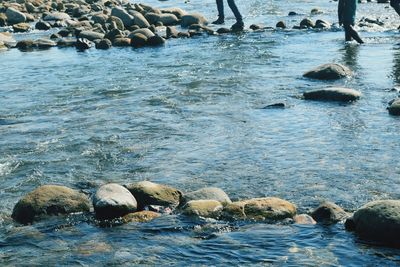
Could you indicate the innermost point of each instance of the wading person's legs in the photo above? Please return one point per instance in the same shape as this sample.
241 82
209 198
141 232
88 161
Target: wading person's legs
351 33
221 16
239 19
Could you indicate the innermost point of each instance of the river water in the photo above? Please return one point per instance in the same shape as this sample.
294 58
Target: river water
191 115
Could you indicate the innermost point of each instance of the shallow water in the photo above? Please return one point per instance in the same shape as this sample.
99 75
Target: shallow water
190 115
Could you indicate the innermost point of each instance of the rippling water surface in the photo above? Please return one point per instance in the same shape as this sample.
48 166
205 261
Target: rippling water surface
190 115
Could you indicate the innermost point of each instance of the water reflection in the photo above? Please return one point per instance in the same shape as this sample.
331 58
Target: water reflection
396 65
350 55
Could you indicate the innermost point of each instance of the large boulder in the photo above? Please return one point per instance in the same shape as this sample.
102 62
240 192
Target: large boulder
148 193
203 208
141 216
191 19
333 94
260 209
378 221
331 71
329 213
112 201
49 200
57 16
126 18
210 193
394 108
14 16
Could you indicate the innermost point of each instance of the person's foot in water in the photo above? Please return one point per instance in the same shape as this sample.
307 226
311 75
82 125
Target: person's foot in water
238 26
219 21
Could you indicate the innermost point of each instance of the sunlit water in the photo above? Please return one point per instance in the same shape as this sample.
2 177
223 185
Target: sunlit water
191 115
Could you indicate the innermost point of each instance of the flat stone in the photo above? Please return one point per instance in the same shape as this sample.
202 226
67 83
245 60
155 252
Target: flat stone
43 43
148 193
49 200
91 35
112 201
260 209
331 71
21 27
141 216
333 94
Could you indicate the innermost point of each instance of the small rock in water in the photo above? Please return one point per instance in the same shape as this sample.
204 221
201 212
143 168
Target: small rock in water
394 107
21 27
138 40
307 23
141 216
42 25
322 24
223 30
203 208
276 105
292 13
83 44
333 94
156 40
91 35
256 27
207 193
44 43
304 219
329 213
171 32
316 11
25 45
331 71
104 44
112 201
281 24
378 221
122 42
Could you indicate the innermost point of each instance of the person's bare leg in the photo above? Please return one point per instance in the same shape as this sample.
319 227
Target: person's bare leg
353 33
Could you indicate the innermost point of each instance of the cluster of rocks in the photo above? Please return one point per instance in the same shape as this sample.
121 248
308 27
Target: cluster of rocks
99 23
145 201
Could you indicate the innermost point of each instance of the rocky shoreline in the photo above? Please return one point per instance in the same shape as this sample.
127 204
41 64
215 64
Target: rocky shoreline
113 204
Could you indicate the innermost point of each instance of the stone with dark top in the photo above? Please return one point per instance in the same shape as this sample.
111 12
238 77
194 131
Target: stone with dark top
331 71
333 94
329 213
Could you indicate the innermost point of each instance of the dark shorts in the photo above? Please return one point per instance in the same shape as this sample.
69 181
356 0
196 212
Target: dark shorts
349 12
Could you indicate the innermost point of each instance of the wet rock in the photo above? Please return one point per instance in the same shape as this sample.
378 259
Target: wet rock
203 208
329 213
49 200
322 24
111 35
3 20
178 12
91 35
379 221
292 13
112 201
57 16
333 94
83 44
65 32
316 11
55 36
30 8
104 44
14 16
156 40
43 43
190 19
304 219
281 24
207 193
126 18
7 39
394 108
121 42
21 27
331 71
256 27
3 47
100 18
275 105
307 23
25 45
260 209
115 23
184 35
138 40
148 193
70 43
223 30
42 26
141 216
165 19
171 32
145 32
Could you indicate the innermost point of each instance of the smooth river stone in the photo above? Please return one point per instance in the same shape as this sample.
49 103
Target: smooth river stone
333 94
203 208
329 213
331 71
210 193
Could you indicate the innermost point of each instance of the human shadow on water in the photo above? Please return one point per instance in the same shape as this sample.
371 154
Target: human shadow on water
350 55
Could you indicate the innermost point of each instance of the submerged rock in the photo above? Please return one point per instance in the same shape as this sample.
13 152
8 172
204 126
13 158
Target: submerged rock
49 200
203 208
304 219
260 209
329 213
112 201
331 71
207 193
333 94
43 43
148 193
394 108
378 221
141 216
